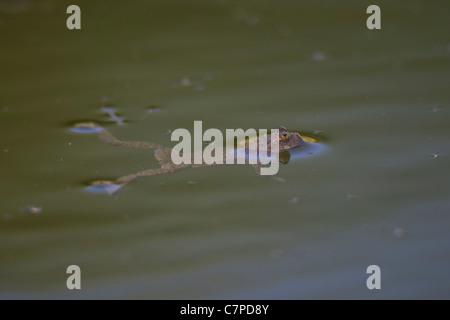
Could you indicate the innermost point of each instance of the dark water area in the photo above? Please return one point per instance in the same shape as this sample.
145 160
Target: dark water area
375 193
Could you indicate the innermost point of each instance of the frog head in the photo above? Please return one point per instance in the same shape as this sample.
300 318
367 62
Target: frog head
288 140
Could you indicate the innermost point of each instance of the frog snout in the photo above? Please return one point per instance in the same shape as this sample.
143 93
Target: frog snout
299 137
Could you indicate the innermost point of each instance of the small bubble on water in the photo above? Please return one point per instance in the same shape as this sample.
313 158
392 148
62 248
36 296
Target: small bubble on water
293 200
190 182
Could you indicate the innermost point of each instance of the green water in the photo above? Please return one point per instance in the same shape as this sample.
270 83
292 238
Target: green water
377 195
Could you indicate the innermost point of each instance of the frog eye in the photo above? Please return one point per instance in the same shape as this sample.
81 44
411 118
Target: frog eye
284 136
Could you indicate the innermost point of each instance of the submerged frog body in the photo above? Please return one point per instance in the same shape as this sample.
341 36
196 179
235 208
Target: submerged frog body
286 140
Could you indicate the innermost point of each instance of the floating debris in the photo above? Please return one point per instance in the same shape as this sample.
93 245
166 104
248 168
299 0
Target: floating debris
103 186
86 127
190 182
352 197
293 200
435 155
31 208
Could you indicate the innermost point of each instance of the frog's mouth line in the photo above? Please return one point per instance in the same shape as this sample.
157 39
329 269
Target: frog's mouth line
308 137
313 137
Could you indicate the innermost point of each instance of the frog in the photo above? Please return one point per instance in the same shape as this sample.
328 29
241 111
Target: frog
287 140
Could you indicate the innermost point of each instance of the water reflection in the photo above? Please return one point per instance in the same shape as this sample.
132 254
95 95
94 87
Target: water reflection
85 127
103 186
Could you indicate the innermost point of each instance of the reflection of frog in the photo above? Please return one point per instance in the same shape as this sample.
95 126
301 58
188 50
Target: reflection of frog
287 141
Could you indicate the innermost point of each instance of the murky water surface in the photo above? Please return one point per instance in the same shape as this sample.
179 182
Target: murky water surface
378 192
